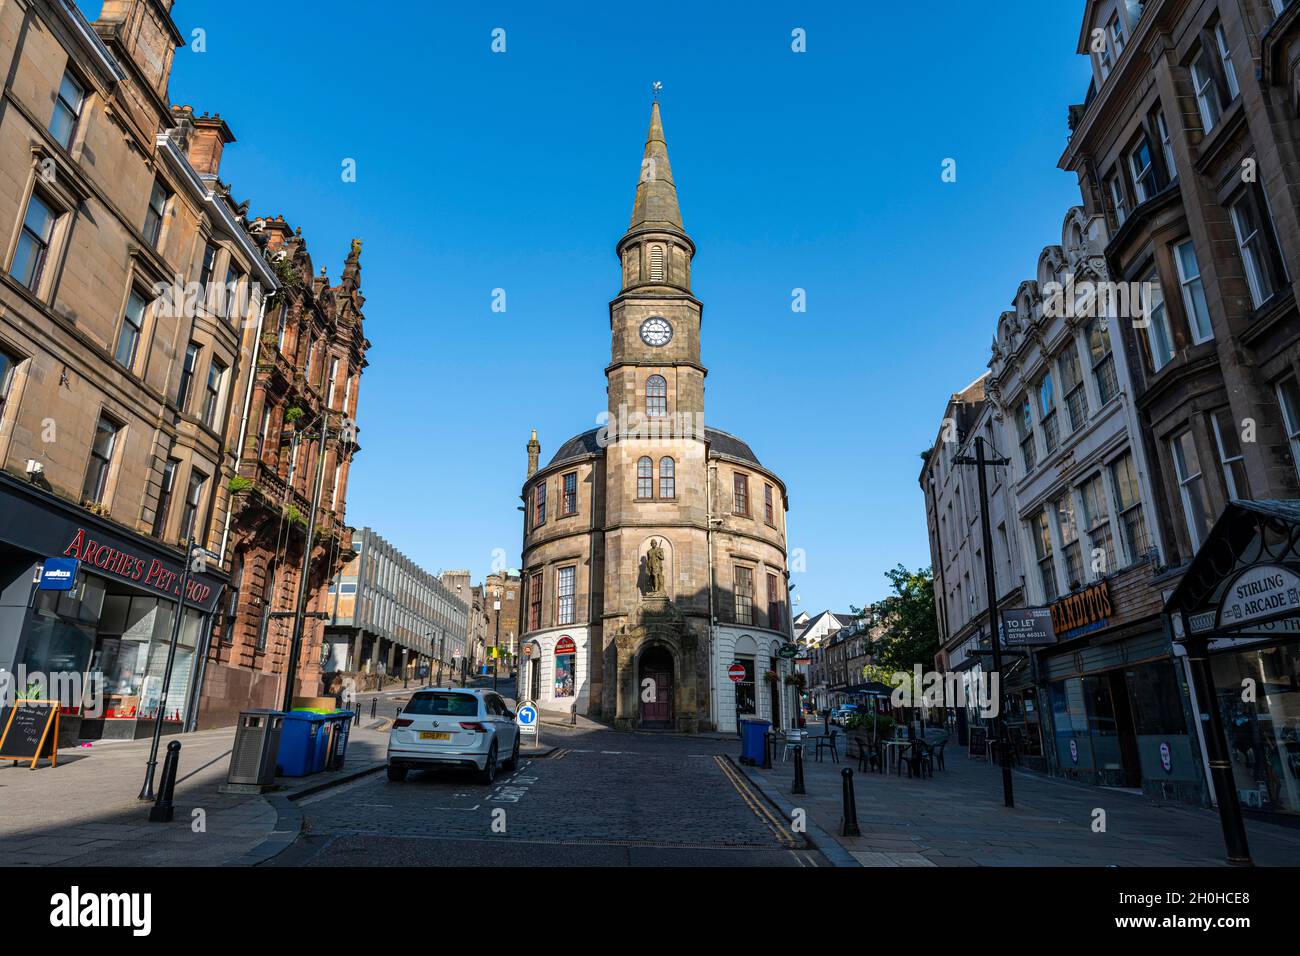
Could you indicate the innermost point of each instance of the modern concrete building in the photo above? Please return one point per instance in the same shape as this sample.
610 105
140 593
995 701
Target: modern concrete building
388 615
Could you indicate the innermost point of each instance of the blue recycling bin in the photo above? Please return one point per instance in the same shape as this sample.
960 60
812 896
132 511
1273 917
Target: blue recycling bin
303 741
752 732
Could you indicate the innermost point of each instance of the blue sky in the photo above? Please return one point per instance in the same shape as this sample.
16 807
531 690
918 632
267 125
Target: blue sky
818 170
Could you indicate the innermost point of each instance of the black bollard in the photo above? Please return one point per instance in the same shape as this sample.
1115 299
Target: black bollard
374 705
849 822
162 810
767 750
798 772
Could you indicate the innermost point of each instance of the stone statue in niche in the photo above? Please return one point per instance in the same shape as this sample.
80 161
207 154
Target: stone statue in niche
654 568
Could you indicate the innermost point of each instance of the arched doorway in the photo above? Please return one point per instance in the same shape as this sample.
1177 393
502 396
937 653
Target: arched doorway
656 697
534 671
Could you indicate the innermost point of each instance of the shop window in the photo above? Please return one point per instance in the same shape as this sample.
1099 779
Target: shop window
1264 732
746 698
1156 699
566 656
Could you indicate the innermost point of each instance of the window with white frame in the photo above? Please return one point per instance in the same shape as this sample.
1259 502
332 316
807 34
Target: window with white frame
34 241
1128 505
1231 460
1191 487
1103 360
564 595
1225 57
1041 531
1025 426
1257 242
1189 277
1288 396
1076 396
67 109
1208 102
1166 144
1069 534
128 336
1160 339
1119 199
1096 525
1047 411
1141 162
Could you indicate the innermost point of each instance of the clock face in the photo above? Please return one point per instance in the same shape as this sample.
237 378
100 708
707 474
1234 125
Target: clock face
656 331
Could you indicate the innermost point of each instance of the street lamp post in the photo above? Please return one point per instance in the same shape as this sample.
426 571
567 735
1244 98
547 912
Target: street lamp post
982 463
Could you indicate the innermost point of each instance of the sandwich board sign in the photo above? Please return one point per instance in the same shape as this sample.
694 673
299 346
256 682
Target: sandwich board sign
29 731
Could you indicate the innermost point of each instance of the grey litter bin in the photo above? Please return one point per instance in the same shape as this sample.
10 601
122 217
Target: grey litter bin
257 741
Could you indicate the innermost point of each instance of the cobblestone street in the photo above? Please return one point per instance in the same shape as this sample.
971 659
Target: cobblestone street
600 797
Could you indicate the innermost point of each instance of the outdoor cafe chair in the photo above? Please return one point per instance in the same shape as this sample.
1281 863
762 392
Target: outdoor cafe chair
828 741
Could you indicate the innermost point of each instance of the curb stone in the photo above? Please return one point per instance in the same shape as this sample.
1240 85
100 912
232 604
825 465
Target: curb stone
819 838
288 817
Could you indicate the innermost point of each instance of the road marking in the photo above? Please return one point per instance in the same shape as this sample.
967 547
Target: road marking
756 804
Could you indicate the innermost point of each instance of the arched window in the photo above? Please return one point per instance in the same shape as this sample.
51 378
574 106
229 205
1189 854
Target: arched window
656 263
656 396
667 478
645 478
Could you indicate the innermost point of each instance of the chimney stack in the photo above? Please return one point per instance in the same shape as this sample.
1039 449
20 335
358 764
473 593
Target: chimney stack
208 137
534 451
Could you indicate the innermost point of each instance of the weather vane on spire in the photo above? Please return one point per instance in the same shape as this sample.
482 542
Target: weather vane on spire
655 89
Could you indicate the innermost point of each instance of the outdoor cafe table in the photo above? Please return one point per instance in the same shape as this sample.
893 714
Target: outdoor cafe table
891 745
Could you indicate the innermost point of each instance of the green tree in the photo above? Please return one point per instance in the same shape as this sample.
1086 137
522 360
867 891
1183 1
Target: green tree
909 631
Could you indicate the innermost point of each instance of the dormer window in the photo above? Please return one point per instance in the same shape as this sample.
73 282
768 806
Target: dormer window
656 263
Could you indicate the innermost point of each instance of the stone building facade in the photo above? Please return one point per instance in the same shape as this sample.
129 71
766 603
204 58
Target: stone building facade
296 438
127 285
1188 146
654 547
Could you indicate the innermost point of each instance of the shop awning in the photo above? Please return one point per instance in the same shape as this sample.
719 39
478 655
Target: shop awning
1246 573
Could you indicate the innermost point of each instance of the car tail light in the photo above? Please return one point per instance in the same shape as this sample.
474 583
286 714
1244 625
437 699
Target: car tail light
403 722
474 726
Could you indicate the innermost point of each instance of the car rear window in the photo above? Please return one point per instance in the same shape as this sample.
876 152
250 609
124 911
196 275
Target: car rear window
445 705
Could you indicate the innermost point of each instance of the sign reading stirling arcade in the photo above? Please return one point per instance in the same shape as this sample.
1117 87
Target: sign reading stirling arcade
1264 591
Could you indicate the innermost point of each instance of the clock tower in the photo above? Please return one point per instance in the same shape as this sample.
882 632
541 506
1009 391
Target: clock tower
655 320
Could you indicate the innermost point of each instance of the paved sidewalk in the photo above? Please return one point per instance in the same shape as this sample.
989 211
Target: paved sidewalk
958 819
84 812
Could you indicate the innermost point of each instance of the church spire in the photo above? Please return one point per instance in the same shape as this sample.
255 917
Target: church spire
655 206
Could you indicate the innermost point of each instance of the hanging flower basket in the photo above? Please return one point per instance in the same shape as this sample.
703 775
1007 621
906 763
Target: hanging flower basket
771 676
795 680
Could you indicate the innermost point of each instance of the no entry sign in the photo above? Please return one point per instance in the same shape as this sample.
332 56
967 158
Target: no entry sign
736 672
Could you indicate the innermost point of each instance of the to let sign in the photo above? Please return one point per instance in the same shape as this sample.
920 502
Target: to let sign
1264 591
1027 626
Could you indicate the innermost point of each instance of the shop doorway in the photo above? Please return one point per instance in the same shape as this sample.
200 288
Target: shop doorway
1124 728
535 674
657 696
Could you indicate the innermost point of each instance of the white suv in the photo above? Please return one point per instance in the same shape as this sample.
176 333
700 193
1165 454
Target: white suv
453 727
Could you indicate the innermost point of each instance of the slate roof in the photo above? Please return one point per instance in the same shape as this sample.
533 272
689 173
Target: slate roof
720 442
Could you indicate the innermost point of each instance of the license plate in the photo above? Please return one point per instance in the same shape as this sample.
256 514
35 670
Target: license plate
434 735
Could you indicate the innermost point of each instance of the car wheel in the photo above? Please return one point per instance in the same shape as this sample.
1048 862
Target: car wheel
396 774
513 763
489 772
